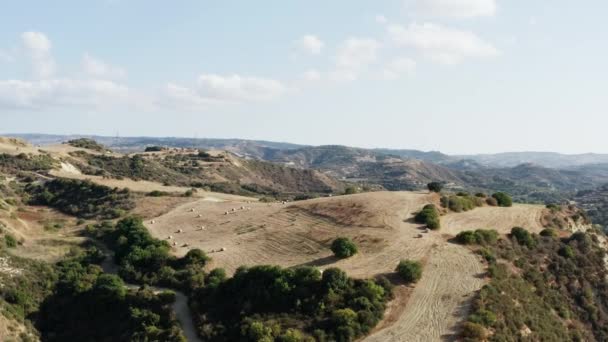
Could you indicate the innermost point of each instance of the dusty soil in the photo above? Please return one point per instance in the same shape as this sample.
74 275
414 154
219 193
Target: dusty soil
500 219
300 233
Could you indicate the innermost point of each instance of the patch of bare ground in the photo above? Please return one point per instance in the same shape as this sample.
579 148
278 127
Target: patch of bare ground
44 234
500 219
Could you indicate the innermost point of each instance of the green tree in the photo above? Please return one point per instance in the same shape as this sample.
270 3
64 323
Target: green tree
435 186
343 247
503 199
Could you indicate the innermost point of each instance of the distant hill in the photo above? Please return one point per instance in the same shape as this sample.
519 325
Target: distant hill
546 159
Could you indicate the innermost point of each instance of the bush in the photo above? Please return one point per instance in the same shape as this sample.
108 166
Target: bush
503 199
473 331
549 232
157 193
409 270
461 202
523 237
481 195
491 201
483 317
10 241
480 237
435 187
343 248
429 216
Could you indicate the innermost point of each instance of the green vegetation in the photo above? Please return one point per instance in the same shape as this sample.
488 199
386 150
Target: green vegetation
523 237
479 237
22 293
155 149
503 199
435 187
549 232
10 241
410 271
343 248
461 202
143 259
89 144
157 193
24 162
119 314
81 198
550 290
268 303
429 216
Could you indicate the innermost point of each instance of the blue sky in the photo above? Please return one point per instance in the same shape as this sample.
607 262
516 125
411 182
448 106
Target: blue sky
459 76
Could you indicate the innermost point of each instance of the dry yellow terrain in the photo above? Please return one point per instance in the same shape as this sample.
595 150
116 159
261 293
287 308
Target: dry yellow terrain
300 233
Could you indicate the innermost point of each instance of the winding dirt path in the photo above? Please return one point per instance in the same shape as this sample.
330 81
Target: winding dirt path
180 306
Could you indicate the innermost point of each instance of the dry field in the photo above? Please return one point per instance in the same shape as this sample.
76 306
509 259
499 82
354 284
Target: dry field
300 233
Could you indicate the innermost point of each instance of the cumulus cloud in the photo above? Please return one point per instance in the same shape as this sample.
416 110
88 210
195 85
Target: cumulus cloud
380 19
441 44
357 52
44 94
398 67
454 8
38 47
310 44
215 89
99 69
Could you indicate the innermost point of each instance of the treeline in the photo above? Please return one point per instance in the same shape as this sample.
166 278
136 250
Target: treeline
89 144
83 199
543 289
268 303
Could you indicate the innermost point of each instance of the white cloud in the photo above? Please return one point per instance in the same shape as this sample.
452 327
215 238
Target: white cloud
380 19
441 44
99 69
38 47
310 44
311 75
355 53
398 67
454 8
46 94
214 89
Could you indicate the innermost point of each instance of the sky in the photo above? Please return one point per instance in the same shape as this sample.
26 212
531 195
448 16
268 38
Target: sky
458 76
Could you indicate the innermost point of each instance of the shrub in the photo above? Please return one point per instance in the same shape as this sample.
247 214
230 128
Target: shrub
429 215
491 201
10 241
548 232
435 186
567 252
479 236
343 247
473 331
481 195
483 317
461 202
157 193
503 199
523 237
409 270
351 190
